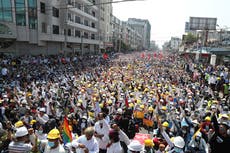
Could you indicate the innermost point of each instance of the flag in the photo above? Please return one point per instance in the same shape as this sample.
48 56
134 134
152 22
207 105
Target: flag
143 55
155 55
66 133
149 56
126 102
105 56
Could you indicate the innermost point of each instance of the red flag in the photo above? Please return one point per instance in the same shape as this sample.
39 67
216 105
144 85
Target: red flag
105 56
126 102
155 55
143 55
149 56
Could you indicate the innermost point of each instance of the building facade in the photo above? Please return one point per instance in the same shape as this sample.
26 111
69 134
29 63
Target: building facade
143 27
175 43
49 27
131 37
105 23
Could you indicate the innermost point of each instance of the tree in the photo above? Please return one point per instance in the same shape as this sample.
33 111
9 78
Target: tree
190 39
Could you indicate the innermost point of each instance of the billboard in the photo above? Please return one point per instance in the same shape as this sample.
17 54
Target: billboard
199 23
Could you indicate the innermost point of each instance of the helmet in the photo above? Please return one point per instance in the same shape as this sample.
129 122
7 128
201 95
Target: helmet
179 142
149 143
165 124
32 122
142 106
119 111
135 146
150 108
22 131
19 124
53 134
131 105
207 118
164 108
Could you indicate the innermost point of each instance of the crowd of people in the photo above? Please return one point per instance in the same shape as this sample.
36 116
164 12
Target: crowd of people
71 104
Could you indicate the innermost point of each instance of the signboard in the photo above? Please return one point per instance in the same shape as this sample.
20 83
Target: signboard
141 137
108 44
199 23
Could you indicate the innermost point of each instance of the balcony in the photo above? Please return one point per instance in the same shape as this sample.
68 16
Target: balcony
82 26
70 39
82 13
90 2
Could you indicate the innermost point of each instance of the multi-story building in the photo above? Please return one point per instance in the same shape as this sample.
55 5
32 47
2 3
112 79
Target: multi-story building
105 23
143 27
48 26
131 37
116 33
175 43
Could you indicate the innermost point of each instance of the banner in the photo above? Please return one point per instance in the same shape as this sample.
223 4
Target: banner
141 137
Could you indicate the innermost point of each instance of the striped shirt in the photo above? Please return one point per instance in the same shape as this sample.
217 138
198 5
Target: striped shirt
19 147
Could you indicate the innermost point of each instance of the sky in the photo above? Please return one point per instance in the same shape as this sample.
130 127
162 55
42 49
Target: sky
168 17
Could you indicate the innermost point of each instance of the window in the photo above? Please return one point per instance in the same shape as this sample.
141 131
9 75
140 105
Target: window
92 36
43 7
20 13
55 12
77 19
86 9
55 29
70 17
5 10
86 35
32 14
44 27
77 5
86 22
69 2
77 33
93 13
69 32
93 25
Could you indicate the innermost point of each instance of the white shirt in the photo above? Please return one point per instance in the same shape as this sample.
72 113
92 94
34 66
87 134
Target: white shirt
115 148
91 145
59 149
123 137
105 131
43 119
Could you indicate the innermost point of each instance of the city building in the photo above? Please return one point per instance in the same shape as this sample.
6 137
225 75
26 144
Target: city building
105 24
130 37
116 33
175 43
49 26
143 27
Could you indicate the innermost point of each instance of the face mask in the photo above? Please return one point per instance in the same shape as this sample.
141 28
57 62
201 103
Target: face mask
51 144
40 131
164 128
177 150
100 121
184 131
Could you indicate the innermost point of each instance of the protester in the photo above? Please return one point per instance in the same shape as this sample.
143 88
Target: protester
86 97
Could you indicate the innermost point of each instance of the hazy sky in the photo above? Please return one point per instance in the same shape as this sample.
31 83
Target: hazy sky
168 17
